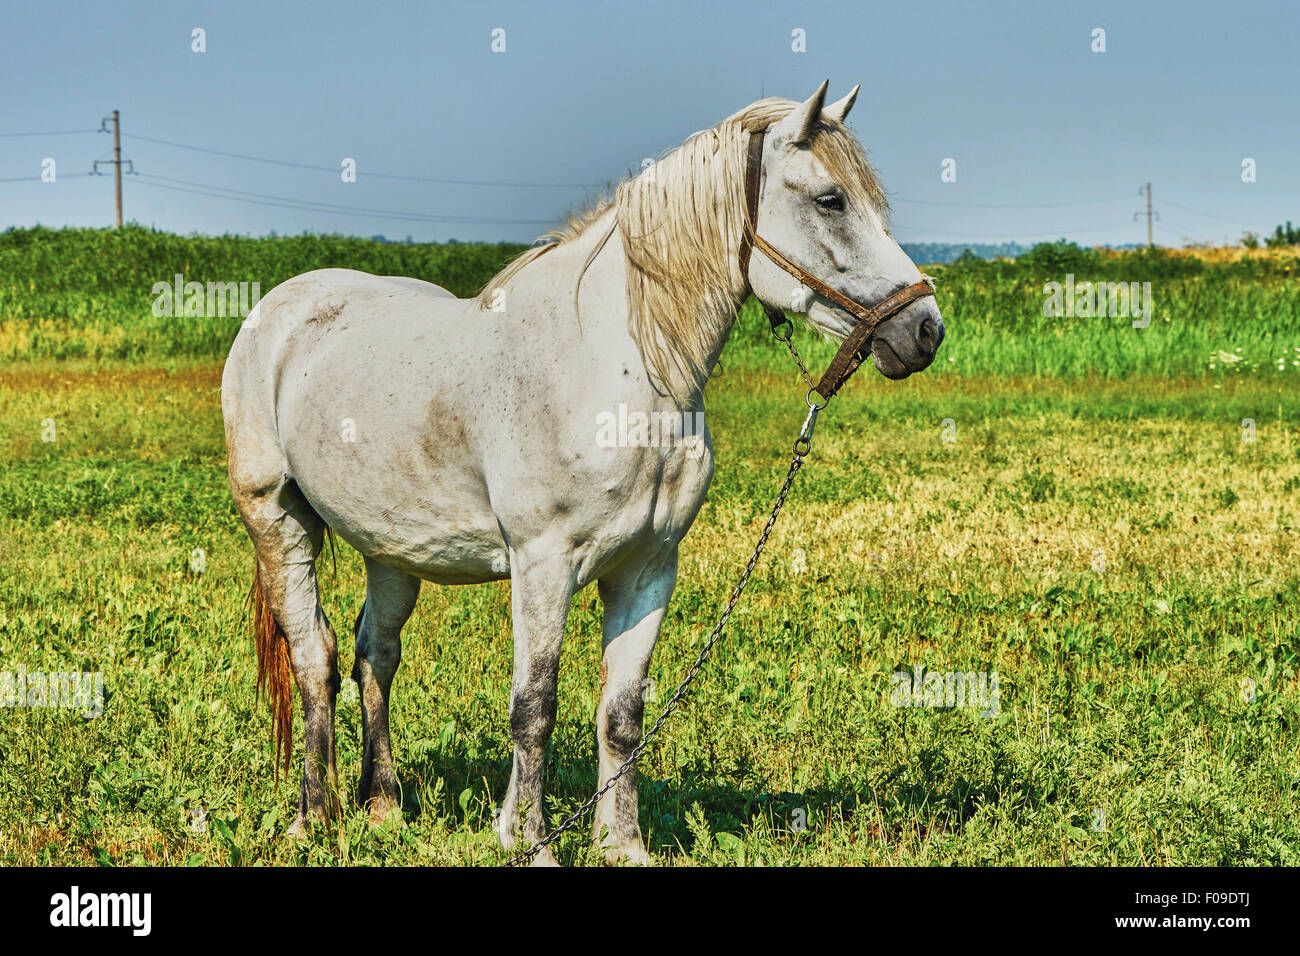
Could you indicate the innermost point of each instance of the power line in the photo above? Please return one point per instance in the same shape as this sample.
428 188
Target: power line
1013 205
304 205
37 179
213 191
536 185
321 205
56 132
1202 212
1024 235
540 185
334 169
1195 230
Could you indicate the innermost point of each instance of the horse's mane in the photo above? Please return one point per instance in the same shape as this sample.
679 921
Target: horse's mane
681 222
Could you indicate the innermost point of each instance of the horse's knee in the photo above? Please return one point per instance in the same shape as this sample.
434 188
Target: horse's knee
532 717
622 714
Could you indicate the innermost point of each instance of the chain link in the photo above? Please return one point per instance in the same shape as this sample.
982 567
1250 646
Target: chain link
788 341
801 449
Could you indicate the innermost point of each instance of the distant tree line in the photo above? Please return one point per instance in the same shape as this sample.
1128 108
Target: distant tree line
946 253
1286 235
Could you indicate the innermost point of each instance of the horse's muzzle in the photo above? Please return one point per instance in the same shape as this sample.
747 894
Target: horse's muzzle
909 341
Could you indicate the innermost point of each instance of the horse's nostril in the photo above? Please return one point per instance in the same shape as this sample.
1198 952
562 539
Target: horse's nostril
927 334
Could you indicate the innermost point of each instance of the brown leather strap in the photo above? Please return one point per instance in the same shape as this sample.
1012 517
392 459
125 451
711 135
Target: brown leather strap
753 177
854 348
853 351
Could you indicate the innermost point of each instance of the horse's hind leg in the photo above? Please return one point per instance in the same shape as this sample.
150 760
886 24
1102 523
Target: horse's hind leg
634 601
390 598
287 536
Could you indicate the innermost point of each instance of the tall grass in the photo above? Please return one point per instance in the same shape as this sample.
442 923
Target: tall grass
72 293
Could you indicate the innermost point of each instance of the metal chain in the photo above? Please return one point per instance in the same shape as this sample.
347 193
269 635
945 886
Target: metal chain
786 340
800 450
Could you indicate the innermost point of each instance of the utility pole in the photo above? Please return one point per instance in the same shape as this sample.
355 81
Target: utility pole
117 167
1149 243
116 161
1151 214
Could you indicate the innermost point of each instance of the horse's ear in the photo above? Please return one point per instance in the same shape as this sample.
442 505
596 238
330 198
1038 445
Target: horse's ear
805 118
839 110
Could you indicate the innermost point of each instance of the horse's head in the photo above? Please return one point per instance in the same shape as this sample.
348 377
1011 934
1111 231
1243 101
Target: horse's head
819 204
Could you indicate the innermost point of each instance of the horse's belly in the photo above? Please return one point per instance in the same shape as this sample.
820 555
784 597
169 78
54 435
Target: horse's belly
393 500
434 544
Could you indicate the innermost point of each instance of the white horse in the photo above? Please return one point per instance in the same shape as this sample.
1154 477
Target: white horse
455 441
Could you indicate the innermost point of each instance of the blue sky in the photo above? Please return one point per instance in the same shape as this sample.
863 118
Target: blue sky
1050 139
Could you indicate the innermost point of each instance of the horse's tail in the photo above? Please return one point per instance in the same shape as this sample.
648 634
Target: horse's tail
274 674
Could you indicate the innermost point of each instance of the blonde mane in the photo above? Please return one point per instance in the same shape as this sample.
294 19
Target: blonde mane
681 222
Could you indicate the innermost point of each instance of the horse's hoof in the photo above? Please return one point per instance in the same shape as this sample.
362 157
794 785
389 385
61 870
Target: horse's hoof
303 824
508 839
632 854
545 857
382 810
385 814
299 830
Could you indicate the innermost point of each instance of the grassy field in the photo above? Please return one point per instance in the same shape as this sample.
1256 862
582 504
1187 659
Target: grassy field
1096 530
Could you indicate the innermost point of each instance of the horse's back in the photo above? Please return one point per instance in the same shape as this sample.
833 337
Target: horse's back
302 314
318 297
420 284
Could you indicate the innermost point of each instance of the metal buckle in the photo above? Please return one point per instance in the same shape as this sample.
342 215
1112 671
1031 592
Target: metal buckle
779 320
803 444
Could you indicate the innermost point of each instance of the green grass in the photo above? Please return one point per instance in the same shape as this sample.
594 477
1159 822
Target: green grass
1121 680
1120 690
87 294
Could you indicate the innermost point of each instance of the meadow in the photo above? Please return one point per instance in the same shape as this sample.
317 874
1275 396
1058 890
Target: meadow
1105 516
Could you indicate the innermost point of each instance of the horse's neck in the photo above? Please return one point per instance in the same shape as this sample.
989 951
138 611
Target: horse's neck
608 310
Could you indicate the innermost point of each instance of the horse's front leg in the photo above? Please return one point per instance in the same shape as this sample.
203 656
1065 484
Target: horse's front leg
634 601
540 592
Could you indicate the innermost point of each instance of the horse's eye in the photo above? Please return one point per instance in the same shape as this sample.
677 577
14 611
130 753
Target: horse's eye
832 201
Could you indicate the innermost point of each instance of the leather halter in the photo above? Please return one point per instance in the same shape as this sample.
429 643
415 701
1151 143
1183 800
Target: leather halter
853 351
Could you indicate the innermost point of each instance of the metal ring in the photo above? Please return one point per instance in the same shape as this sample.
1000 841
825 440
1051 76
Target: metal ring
808 400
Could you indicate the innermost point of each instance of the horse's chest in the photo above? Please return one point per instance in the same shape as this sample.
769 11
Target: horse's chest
673 500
